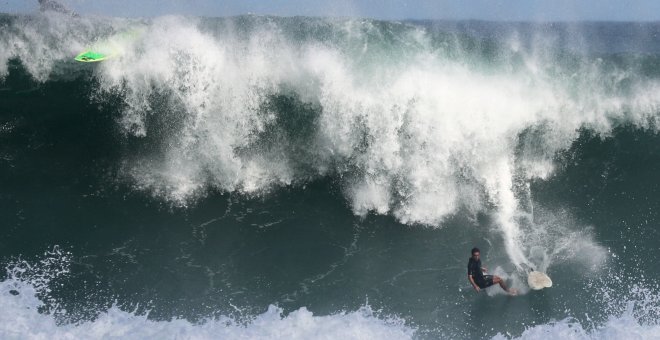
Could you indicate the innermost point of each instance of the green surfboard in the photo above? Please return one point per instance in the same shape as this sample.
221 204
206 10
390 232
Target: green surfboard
91 57
109 48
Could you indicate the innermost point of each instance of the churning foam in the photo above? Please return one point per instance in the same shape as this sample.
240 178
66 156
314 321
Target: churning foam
622 327
19 319
409 129
634 313
26 290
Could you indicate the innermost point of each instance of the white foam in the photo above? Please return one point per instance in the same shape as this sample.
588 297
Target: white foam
637 320
631 309
623 327
20 300
19 319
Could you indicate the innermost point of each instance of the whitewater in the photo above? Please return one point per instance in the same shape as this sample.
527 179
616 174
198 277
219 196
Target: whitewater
273 177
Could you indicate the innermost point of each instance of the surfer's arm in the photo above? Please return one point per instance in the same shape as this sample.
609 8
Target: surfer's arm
474 285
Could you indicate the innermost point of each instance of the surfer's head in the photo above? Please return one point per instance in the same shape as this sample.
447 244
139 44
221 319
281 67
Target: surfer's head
475 252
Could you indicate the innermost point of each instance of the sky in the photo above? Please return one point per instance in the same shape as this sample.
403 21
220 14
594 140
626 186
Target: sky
498 10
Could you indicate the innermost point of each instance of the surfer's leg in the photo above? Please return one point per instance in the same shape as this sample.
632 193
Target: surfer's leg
498 280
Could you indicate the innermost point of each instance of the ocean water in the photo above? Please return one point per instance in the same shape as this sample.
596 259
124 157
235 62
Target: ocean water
299 178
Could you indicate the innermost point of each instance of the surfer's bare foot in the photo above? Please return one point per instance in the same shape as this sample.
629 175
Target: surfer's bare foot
513 292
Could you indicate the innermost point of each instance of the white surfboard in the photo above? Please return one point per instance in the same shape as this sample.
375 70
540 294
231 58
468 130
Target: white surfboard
537 280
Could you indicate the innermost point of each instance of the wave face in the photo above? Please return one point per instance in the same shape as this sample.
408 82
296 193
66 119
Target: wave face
205 132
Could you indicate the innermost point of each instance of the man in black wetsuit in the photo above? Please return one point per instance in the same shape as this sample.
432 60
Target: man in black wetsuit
476 274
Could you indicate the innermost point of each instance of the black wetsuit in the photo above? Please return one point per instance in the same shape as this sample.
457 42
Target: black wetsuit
474 269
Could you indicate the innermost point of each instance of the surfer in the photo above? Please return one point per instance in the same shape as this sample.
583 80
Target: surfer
476 274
